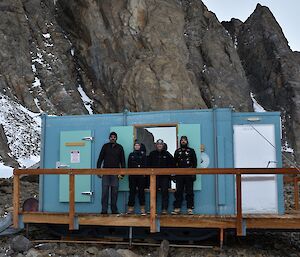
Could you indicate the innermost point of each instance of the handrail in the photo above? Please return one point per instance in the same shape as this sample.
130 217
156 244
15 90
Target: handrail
153 172
159 171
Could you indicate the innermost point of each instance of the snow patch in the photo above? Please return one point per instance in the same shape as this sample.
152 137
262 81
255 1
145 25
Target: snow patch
27 162
72 51
235 42
88 102
33 68
286 148
48 45
47 35
256 106
5 171
36 82
22 129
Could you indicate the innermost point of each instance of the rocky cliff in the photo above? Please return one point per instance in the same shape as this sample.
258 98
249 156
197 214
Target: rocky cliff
80 57
272 68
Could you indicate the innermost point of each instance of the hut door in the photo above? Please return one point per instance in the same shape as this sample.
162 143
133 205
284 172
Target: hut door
75 152
253 148
125 138
193 132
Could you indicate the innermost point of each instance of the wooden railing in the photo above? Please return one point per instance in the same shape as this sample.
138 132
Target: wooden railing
152 173
295 181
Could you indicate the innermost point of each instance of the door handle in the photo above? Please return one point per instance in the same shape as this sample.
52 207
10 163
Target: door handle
61 165
88 138
87 193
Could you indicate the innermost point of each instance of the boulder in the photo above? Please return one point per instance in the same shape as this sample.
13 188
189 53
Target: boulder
20 244
127 253
164 249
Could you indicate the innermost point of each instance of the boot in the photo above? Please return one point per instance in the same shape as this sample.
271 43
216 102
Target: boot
143 211
130 210
190 211
176 211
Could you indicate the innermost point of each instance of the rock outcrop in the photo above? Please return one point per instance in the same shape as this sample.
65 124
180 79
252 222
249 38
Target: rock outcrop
272 68
155 55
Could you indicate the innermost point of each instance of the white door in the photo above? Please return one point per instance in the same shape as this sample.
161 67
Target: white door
254 148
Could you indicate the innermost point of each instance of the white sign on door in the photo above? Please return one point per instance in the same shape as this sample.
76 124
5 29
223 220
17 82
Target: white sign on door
75 156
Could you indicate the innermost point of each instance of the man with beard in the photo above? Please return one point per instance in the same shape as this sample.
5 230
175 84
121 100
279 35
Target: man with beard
185 157
161 158
112 154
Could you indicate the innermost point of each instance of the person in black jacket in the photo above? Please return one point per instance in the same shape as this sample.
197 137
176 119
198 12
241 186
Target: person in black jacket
137 159
185 157
112 155
161 158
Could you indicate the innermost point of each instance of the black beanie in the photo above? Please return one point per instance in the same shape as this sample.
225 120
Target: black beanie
113 134
184 137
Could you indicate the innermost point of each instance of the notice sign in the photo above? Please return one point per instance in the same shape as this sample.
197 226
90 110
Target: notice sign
75 156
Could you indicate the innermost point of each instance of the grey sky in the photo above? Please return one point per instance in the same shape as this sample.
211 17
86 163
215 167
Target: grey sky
286 13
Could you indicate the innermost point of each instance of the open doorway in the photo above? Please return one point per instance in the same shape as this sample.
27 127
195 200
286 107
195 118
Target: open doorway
148 135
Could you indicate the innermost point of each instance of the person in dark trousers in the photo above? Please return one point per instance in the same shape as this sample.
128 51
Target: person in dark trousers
137 159
112 155
161 158
185 157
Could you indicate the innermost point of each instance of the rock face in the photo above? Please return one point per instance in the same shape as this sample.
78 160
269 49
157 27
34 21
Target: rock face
80 57
155 55
272 68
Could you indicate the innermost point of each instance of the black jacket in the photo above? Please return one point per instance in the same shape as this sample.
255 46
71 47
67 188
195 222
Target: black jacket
137 159
161 159
185 158
112 155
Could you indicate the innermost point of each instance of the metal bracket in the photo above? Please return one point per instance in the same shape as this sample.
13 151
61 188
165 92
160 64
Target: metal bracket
157 221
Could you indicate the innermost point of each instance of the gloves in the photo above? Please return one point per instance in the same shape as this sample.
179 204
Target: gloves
120 177
173 178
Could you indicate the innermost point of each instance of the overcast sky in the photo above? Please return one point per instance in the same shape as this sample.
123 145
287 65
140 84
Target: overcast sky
286 12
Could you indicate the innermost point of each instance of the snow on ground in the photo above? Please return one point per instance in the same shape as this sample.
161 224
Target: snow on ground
86 100
5 171
22 129
256 106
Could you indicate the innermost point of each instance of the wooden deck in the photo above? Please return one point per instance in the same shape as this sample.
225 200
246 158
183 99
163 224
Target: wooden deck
251 221
240 222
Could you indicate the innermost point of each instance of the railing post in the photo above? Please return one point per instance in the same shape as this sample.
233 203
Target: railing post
153 203
296 193
239 215
16 198
71 201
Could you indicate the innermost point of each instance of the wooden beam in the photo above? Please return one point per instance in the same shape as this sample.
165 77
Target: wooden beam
289 222
114 220
46 218
16 204
239 215
221 237
153 204
71 201
197 221
149 125
296 193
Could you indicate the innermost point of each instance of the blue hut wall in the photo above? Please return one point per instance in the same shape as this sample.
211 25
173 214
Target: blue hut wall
217 194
